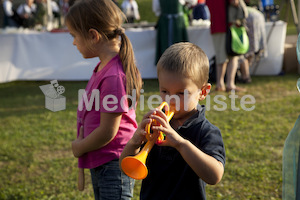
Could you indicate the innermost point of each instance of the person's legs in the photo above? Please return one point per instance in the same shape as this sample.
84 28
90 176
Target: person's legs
221 70
244 66
231 72
110 183
230 75
219 41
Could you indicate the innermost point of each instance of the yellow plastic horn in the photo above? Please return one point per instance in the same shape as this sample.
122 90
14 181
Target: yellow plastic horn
134 166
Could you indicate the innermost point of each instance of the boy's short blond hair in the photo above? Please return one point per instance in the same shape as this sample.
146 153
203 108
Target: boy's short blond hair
186 59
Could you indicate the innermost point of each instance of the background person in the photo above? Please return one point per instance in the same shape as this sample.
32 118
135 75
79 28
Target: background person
27 12
56 12
171 25
244 76
103 133
10 17
131 10
225 64
201 11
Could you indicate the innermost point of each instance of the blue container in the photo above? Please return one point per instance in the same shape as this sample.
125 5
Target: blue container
267 3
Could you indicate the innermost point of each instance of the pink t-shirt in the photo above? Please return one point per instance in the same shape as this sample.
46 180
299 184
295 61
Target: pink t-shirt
111 80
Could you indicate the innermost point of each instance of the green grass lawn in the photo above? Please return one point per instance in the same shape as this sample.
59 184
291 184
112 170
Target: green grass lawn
36 161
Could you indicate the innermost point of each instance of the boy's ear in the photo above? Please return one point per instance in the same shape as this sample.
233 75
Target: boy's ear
94 35
204 91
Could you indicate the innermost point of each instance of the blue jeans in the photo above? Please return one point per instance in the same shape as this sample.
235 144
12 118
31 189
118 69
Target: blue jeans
110 183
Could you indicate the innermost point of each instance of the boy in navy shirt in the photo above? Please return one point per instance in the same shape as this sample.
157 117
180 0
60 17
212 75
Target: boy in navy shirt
193 153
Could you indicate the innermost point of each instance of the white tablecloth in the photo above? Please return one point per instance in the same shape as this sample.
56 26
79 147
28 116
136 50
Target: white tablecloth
272 64
48 56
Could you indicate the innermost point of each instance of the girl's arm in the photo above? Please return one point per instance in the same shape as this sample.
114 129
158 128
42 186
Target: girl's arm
101 136
205 166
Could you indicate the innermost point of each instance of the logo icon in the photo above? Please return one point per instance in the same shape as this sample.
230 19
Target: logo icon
54 100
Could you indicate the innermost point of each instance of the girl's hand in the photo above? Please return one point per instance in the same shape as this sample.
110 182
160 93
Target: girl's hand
76 144
172 139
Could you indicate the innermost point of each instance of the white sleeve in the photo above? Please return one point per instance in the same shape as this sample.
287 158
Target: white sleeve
33 7
7 7
136 10
156 7
182 2
54 6
20 9
190 2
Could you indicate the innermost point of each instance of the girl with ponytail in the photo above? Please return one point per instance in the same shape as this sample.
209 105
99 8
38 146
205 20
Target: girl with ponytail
102 133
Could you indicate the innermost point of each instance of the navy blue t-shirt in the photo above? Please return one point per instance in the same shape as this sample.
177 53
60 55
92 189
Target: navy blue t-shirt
169 176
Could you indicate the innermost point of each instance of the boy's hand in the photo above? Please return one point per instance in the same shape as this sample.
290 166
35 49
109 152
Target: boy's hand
173 139
139 136
75 144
